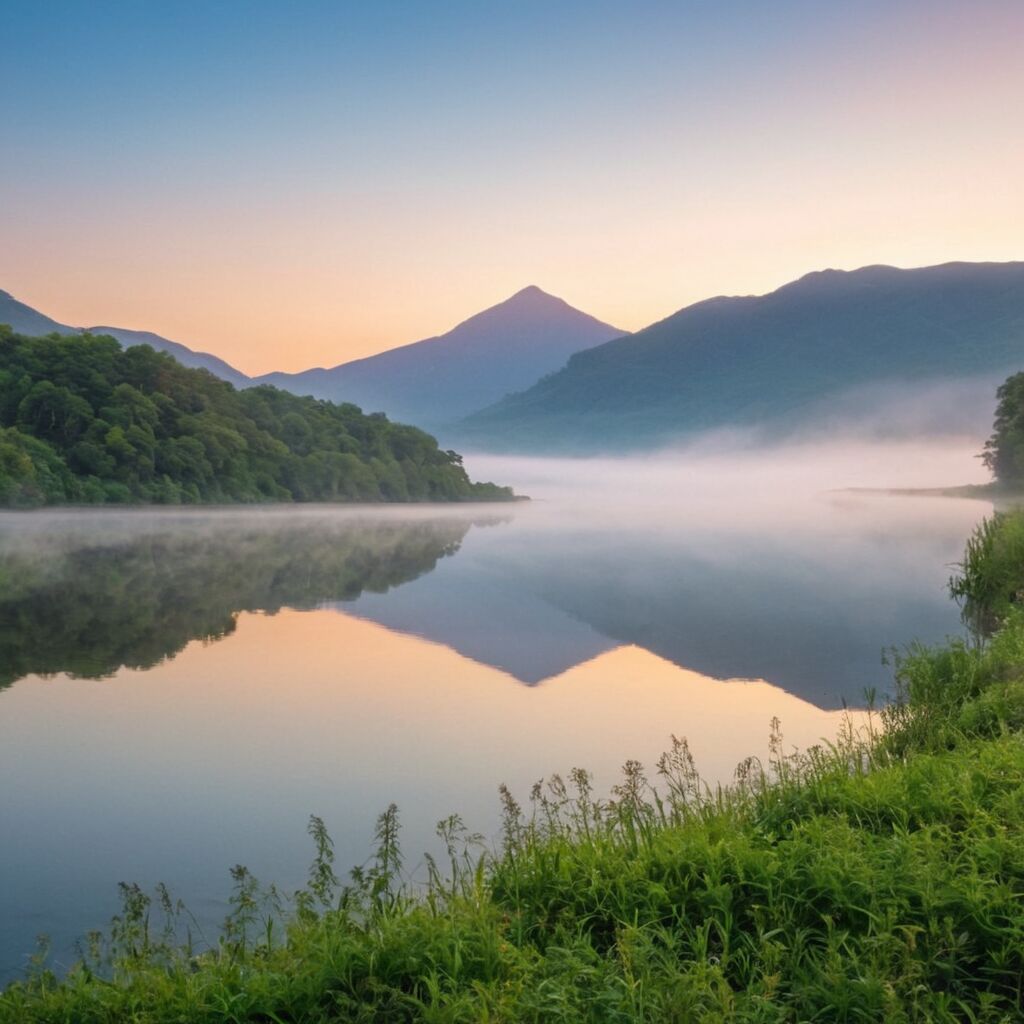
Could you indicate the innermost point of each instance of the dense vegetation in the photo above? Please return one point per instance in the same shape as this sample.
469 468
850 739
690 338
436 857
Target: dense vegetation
83 420
876 879
1004 451
137 592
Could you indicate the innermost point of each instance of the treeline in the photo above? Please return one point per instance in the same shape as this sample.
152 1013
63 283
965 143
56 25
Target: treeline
84 421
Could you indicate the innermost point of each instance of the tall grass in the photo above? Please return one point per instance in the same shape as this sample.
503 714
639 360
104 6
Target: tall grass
989 581
879 878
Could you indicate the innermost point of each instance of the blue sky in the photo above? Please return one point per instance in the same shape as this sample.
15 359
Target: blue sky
359 175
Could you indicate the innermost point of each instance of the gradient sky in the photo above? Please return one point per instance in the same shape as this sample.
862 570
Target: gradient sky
297 184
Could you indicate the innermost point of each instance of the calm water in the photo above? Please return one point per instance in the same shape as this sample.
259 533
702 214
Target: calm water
180 690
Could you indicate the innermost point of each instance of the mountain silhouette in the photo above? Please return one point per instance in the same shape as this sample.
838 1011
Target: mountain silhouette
438 380
781 359
26 320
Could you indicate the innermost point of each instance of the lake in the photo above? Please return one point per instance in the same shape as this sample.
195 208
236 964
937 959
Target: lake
181 689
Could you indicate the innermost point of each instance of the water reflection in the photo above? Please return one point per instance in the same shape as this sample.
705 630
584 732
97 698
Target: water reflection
219 755
90 593
245 669
809 602
810 599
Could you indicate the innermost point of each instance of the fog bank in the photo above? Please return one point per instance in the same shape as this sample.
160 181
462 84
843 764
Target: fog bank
731 474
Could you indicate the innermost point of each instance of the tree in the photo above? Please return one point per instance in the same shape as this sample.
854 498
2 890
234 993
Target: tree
1004 450
31 472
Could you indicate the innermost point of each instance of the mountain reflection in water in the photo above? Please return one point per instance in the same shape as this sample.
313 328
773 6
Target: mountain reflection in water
182 688
539 592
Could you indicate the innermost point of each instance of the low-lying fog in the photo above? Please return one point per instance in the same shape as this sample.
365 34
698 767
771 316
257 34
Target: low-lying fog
726 476
788 563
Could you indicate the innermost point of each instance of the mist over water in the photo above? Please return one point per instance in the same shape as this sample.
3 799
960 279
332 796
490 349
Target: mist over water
787 563
181 688
735 470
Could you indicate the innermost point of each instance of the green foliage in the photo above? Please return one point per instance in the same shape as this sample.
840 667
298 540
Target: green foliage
990 579
1004 450
83 421
833 887
31 472
876 879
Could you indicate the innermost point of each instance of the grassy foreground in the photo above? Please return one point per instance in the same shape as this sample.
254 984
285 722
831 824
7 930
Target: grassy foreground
878 879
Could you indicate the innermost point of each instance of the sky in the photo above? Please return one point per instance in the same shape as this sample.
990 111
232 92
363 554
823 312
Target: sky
292 185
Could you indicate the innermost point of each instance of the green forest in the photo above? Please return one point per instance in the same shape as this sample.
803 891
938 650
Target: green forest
83 421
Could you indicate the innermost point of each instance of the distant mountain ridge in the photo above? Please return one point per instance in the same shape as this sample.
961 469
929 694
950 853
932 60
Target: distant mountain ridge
534 374
25 320
432 382
439 380
771 359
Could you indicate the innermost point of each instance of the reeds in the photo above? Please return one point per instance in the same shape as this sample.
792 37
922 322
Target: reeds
989 581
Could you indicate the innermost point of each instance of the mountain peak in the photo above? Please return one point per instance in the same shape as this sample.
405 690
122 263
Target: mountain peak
436 381
532 310
832 348
531 295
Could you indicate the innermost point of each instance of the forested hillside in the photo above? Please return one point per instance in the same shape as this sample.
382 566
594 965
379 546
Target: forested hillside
83 420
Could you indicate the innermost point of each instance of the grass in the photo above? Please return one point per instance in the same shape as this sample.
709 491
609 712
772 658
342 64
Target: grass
877 879
990 581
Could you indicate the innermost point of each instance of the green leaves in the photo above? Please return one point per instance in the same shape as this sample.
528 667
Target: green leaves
136 426
1004 450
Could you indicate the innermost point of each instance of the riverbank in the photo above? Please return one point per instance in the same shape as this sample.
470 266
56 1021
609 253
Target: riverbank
999 495
871 879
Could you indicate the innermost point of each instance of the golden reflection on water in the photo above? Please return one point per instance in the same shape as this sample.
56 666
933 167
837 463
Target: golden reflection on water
311 696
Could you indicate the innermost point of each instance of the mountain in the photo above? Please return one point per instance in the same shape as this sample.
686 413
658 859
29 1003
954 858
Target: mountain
439 380
30 322
25 320
185 355
788 358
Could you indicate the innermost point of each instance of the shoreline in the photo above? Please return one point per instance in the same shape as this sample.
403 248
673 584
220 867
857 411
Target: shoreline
977 492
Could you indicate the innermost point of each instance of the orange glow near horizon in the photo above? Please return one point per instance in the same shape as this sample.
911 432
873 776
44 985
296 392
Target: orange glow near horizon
363 695
340 209
249 333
